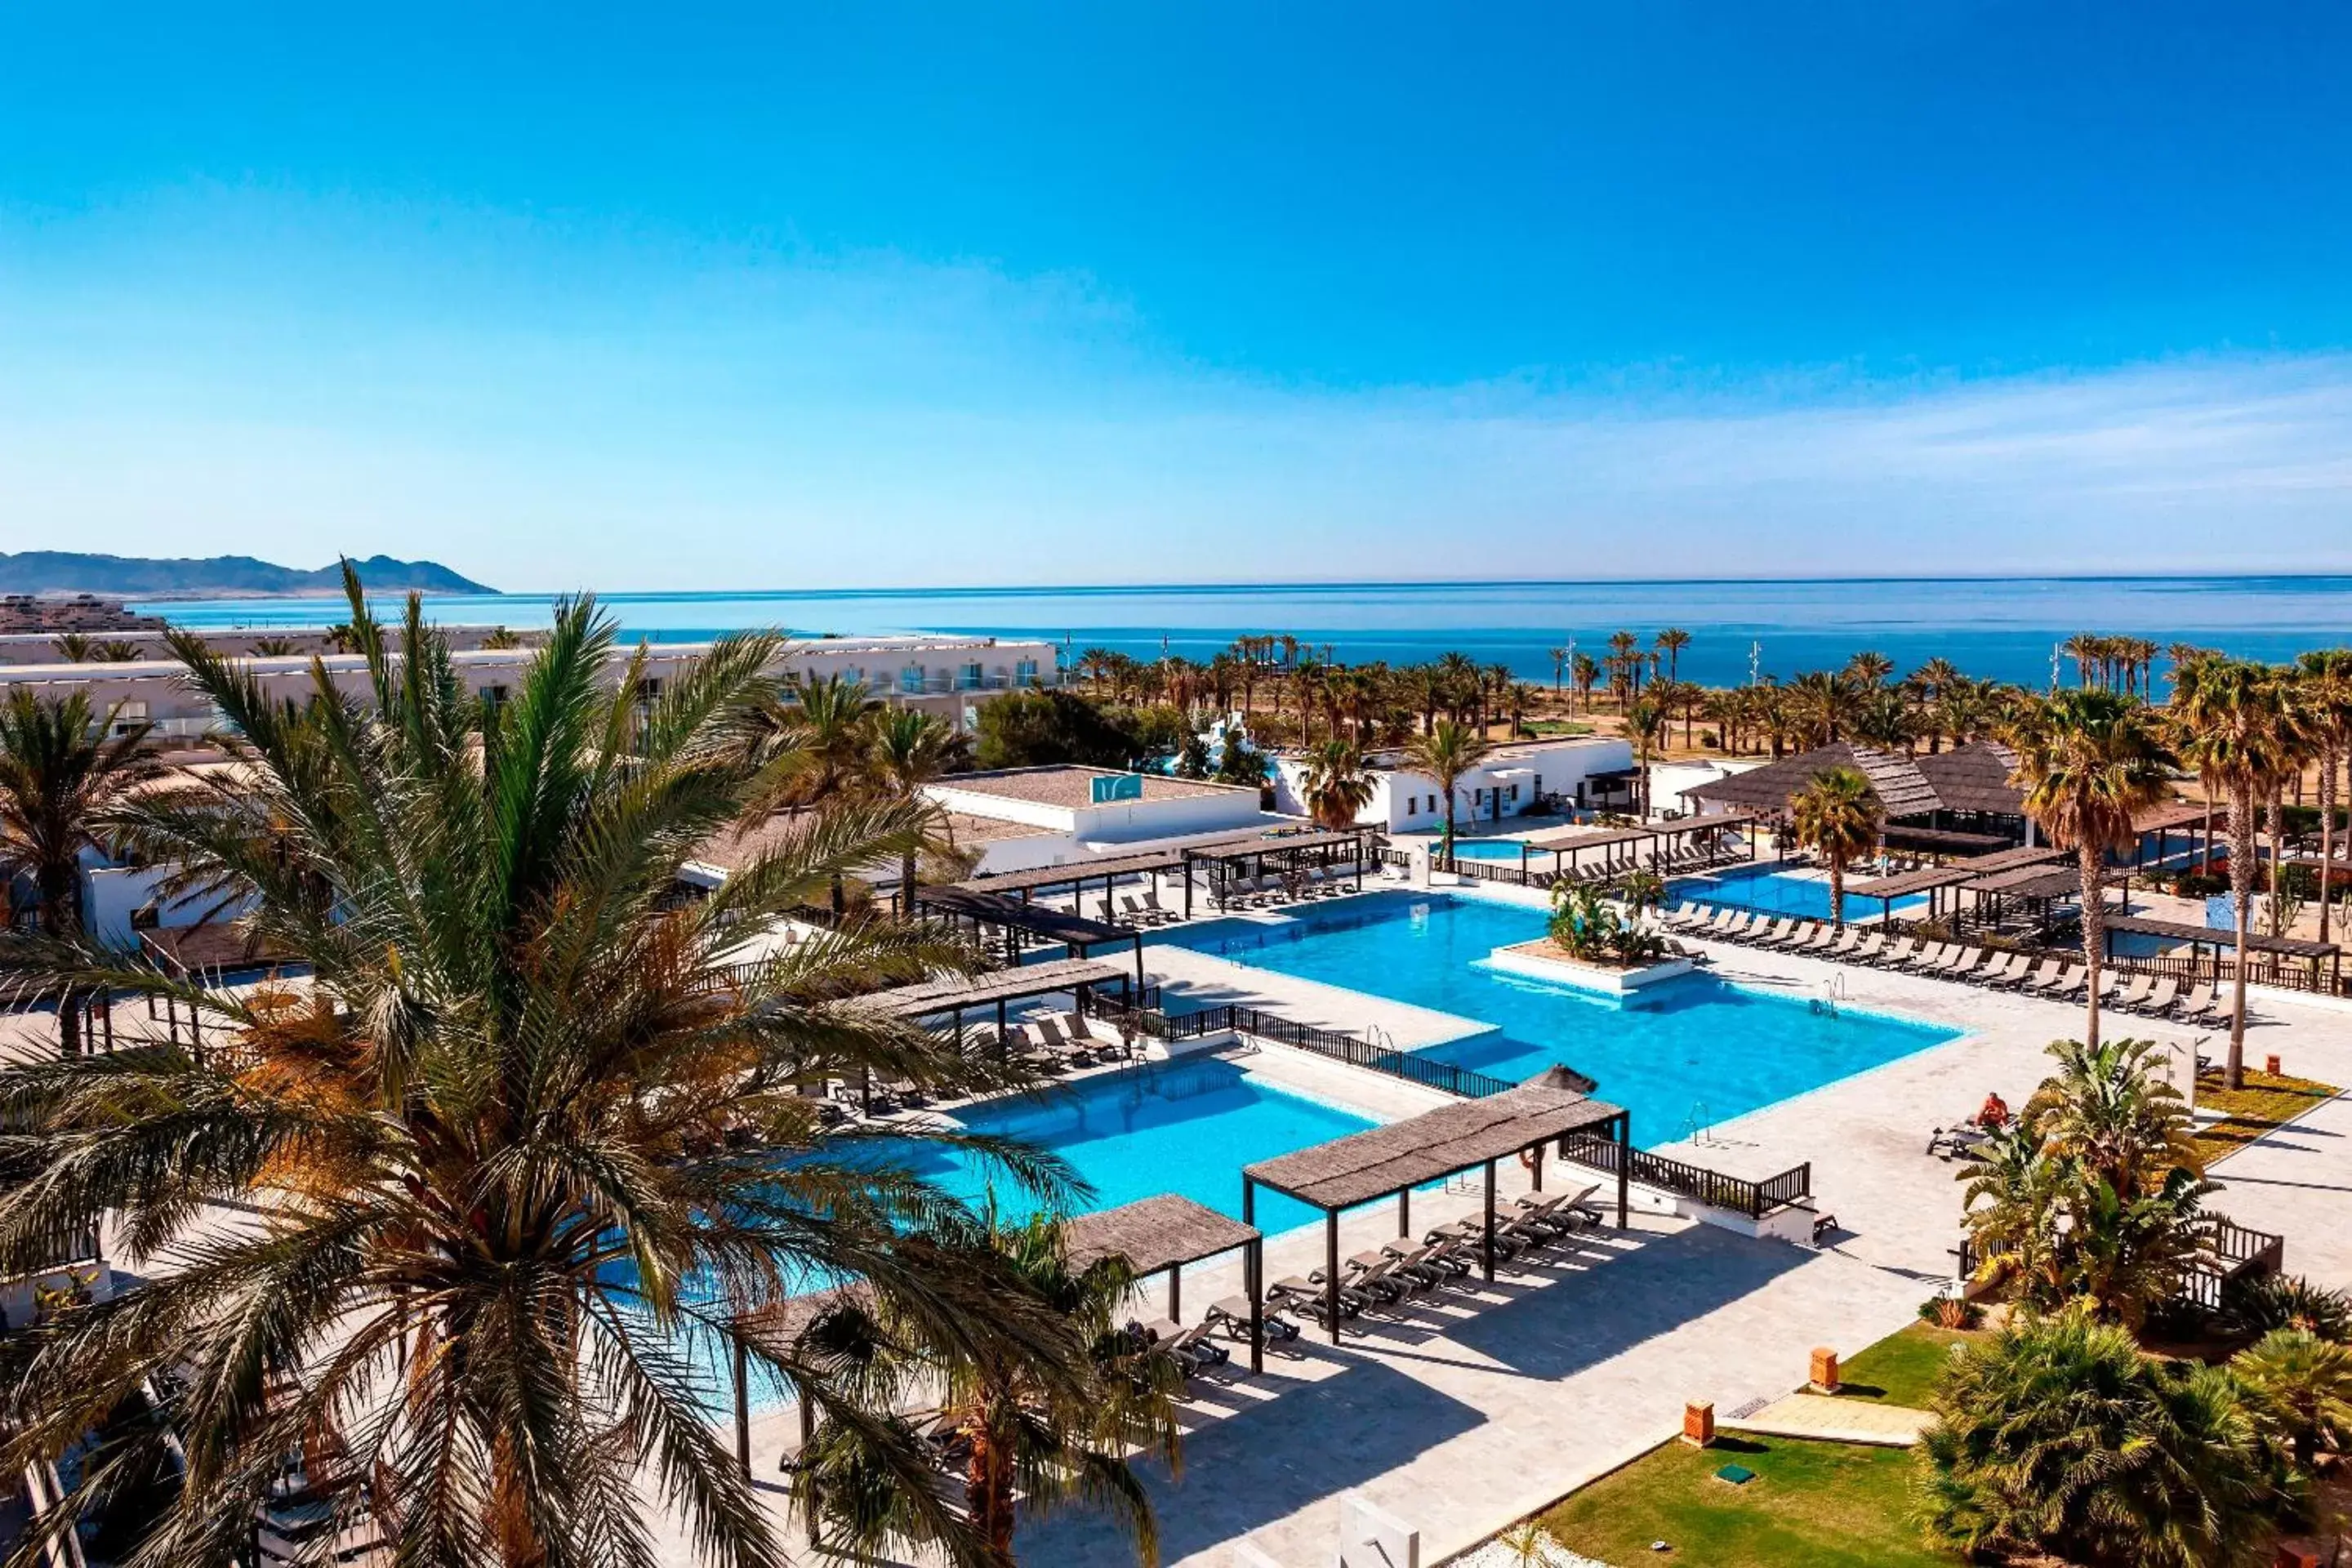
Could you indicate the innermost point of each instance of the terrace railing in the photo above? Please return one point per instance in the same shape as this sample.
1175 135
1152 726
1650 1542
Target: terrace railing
1737 1194
1232 1017
2229 1251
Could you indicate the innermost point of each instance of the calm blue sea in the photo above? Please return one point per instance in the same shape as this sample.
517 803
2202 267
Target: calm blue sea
2004 627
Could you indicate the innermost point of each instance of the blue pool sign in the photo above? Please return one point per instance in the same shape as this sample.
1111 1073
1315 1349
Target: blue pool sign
1118 786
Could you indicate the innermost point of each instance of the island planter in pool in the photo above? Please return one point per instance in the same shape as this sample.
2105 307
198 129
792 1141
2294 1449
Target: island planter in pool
1546 959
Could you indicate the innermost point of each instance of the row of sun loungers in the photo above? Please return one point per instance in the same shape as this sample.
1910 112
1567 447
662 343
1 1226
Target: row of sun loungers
1272 892
2054 979
1389 1275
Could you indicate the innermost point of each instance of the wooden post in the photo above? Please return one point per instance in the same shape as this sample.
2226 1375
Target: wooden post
1176 1293
1624 1165
1404 1212
1254 1275
1486 1237
1331 1271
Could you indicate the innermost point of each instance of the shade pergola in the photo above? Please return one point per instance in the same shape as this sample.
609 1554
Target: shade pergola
1564 844
1161 1236
1156 1235
960 994
1940 840
1391 1161
1230 859
2201 937
1934 879
2193 820
1018 919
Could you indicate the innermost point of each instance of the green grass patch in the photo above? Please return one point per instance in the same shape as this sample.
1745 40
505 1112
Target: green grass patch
1556 727
1811 1505
1902 1368
2267 1103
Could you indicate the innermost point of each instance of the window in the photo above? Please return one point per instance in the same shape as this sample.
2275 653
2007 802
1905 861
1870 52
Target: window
493 696
1512 796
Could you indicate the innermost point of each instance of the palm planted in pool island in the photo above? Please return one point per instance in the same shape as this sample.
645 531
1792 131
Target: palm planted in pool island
523 1153
1836 815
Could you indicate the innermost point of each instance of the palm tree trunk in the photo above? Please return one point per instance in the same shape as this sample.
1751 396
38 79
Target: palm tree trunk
2093 870
2274 826
907 882
1837 892
2242 898
2326 832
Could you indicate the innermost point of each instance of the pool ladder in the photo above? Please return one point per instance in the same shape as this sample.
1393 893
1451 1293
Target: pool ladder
1695 1125
1833 996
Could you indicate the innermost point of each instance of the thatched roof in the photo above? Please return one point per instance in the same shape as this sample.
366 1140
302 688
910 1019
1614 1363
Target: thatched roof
928 998
1901 789
1157 1233
1384 1160
1904 883
1974 777
1038 919
2174 814
2170 930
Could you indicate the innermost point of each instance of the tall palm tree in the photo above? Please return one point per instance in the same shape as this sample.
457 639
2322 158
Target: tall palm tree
2328 701
495 1137
1645 726
1338 785
1671 642
1837 817
1047 1440
1585 670
1446 753
1559 657
912 749
2231 722
2089 761
62 770
825 737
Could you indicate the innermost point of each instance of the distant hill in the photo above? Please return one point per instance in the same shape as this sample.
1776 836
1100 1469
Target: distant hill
59 571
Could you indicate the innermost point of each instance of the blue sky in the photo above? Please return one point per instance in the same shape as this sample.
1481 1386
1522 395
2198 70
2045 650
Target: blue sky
760 295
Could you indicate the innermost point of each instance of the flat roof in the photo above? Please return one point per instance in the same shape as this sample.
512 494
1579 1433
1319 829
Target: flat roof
1275 844
1564 839
1155 1233
2285 946
1384 1160
1257 839
1038 919
1070 784
1902 884
928 998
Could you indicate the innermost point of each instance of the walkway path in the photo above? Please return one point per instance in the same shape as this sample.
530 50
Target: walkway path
1834 1420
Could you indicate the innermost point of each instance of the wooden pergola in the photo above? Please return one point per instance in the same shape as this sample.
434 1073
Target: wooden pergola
1226 861
1016 919
1656 841
2200 938
1391 1161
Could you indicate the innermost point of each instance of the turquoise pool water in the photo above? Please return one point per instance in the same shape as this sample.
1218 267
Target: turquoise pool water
1784 893
1493 849
1174 1127
1695 1048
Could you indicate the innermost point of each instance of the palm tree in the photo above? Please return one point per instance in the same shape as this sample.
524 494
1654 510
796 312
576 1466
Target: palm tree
2299 1387
498 1135
1339 786
499 638
2056 1437
73 648
1645 726
1446 753
2109 1112
1048 1440
2089 762
62 770
1559 657
115 650
2231 720
1671 642
825 737
1585 670
1837 817
273 647
1820 704
1869 669
2328 703
912 749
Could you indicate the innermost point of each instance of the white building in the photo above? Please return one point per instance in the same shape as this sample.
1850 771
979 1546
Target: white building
1513 777
950 677
1062 815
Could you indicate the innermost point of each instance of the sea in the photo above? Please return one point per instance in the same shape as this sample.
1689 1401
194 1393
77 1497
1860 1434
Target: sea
2007 628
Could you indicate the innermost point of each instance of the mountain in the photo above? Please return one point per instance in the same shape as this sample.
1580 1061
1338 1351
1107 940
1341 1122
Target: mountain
59 571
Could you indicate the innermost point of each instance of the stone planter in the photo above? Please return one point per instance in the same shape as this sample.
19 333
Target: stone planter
1544 961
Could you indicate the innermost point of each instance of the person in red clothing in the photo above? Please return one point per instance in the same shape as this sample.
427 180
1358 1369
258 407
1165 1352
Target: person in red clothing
1994 1114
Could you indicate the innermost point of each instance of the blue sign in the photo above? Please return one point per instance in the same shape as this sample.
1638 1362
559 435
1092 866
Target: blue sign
1118 786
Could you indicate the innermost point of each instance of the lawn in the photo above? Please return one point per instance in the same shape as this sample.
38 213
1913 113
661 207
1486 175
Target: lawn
1811 1505
2267 1101
1902 1368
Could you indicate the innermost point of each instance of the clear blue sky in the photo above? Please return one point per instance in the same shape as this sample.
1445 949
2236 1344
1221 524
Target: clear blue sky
793 296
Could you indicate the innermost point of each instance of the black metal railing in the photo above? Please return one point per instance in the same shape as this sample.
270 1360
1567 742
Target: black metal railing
2229 1251
1235 1018
1737 1194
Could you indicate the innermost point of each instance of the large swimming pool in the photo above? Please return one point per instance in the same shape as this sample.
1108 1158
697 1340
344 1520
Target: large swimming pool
1781 892
1185 1127
1691 1050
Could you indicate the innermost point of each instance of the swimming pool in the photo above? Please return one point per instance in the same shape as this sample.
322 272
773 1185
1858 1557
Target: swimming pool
1781 892
1690 1049
1492 849
1185 1127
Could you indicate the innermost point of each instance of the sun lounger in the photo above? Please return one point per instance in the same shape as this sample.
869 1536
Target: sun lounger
2072 983
2044 978
1999 972
2216 1009
1816 939
1931 958
2160 1001
1375 1274
1899 954
1778 935
2128 998
1956 1142
1847 940
1190 1349
1962 964
1299 1294
2200 998
1232 1318
1869 950
1471 1229
1436 1261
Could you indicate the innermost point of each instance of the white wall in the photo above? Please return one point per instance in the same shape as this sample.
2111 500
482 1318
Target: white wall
1123 822
112 894
1408 802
